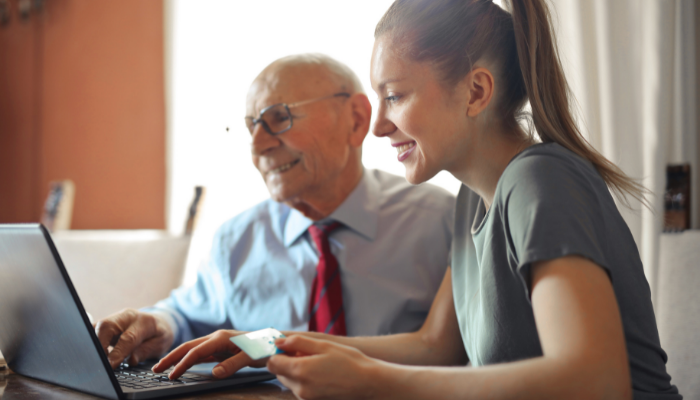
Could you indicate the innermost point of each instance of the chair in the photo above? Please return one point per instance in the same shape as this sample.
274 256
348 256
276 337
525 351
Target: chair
678 309
113 270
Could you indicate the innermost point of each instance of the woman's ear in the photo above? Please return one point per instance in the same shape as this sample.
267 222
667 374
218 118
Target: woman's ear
480 87
361 111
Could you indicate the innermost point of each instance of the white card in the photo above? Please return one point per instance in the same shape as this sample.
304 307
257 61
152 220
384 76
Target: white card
259 344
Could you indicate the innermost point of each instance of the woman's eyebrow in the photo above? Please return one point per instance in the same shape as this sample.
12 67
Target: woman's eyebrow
383 84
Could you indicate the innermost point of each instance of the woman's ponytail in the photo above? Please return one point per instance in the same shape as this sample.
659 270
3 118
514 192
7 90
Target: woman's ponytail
550 95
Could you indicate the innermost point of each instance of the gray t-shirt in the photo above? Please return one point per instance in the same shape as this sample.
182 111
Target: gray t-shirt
549 203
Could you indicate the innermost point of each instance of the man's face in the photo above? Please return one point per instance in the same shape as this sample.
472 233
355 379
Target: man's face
307 159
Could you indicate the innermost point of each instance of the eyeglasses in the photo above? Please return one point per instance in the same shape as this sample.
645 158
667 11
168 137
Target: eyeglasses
277 119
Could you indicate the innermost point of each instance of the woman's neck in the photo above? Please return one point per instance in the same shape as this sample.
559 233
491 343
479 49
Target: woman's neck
488 158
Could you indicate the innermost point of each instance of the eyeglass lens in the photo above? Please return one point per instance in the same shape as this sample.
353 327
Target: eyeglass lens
275 119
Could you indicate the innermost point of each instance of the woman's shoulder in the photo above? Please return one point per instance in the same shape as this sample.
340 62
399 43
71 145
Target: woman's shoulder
546 176
549 167
546 156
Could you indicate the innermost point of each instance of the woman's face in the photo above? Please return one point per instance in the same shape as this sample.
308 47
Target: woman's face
426 123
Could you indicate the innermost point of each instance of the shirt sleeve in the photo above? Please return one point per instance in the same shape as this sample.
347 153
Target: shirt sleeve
199 309
552 209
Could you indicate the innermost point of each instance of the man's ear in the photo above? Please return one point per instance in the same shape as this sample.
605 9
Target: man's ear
480 87
361 112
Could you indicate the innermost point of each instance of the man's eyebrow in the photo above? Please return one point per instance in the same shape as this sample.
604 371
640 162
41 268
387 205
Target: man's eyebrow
388 81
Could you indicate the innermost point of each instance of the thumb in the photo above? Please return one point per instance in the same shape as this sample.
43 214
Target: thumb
231 365
300 344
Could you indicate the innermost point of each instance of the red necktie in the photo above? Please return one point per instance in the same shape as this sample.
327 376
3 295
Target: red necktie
326 306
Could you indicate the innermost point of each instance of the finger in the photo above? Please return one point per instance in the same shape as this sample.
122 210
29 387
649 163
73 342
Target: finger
231 365
106 331
150 348
176 355
109 330
283 365
215 344
132 337
301 344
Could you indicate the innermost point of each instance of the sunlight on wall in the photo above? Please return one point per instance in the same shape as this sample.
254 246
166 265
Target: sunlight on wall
214 51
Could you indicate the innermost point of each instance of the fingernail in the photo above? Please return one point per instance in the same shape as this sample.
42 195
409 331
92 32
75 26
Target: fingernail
280 342
218 371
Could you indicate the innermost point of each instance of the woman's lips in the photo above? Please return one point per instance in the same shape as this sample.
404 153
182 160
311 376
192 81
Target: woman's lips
404 149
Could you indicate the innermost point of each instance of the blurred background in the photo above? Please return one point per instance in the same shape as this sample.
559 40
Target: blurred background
111 113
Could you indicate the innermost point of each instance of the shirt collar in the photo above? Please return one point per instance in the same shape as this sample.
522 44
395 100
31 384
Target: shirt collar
359 212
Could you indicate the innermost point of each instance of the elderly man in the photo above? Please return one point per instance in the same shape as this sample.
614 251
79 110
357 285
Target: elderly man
337 249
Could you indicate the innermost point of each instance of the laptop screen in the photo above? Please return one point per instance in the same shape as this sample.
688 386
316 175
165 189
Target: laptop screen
44 331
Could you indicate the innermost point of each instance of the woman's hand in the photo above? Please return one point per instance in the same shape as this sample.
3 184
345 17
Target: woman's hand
319 369
214 347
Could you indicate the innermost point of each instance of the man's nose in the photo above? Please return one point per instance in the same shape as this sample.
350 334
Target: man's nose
262 141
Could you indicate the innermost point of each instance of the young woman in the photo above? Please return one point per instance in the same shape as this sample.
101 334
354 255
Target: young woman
546 296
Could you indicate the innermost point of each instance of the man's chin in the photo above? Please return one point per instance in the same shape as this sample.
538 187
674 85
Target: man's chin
282 194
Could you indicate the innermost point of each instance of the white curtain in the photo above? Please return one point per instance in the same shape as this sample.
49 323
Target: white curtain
631 66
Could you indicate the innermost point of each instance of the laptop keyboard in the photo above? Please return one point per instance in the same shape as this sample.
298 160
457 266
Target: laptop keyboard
143 378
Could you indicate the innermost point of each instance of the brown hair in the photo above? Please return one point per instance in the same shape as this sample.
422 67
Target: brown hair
520 46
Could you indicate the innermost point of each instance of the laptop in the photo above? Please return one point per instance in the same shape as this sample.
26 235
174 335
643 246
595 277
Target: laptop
45 332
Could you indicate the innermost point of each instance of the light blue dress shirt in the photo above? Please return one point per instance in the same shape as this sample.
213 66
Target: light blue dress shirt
393 250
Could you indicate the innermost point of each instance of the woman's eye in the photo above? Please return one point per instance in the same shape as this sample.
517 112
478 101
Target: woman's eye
391 99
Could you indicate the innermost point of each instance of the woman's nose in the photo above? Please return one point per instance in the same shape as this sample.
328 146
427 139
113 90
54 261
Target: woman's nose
382 126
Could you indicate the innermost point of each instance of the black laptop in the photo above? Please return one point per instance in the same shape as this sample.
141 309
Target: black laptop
45 333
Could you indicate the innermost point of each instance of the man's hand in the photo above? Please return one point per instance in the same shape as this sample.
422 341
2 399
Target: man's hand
133 333
214 347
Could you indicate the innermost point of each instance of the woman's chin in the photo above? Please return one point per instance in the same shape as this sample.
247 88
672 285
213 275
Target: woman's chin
416 177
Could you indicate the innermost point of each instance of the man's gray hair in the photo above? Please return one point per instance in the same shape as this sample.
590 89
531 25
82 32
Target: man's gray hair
347 79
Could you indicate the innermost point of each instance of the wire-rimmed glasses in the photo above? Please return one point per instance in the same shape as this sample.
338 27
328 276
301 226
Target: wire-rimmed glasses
277 119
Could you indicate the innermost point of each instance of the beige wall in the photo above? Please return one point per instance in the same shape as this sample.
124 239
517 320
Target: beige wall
82 98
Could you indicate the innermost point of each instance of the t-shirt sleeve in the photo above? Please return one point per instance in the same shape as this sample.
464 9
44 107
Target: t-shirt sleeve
552 210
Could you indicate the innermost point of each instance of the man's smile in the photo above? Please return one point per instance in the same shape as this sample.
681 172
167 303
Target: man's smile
283 168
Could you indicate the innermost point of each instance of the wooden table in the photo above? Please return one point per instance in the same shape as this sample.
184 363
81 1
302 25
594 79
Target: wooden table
16 387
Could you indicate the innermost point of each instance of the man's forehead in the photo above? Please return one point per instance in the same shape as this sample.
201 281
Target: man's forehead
287 84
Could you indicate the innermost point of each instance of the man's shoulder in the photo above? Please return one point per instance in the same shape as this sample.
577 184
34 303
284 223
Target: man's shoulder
396 190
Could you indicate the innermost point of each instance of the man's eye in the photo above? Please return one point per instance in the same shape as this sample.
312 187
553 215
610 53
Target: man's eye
280 117
391 99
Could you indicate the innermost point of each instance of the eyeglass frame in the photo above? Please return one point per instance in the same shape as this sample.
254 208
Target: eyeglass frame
255 121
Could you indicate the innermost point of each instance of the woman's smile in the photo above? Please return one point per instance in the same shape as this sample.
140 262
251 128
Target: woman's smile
404 149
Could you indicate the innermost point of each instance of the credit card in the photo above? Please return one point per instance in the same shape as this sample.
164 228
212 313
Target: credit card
259 344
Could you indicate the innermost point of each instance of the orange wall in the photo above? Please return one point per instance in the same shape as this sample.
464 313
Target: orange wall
82 98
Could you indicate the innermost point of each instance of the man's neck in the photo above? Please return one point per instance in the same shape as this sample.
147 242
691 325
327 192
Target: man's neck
322 202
